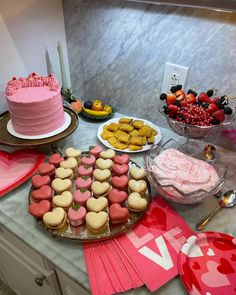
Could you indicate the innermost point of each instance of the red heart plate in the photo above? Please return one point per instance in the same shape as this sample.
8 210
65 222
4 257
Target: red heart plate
17 167
207 264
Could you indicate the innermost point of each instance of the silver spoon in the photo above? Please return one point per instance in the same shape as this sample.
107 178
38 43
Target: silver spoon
226 200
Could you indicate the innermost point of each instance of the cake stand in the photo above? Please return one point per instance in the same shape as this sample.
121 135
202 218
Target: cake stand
9 140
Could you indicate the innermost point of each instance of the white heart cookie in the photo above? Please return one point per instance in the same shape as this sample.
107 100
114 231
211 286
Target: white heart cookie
54 218
104 163
100 188
71 152
138 186
63 173
64 200
61 185
70 163
136 203
96 205
108 154
137 173
101 175
96 221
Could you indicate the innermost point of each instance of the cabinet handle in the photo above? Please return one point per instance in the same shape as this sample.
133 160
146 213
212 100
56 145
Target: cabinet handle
39 280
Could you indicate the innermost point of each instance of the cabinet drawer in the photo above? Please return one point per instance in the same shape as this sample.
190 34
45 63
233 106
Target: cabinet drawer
19 244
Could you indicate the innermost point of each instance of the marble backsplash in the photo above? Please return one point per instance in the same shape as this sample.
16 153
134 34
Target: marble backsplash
118 49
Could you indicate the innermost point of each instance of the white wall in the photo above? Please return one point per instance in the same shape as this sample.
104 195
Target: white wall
27 29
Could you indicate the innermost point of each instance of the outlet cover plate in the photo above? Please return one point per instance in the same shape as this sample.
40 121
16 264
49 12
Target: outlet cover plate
173 75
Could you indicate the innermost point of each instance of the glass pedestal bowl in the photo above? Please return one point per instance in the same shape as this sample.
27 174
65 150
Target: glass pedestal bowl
197 132
172 193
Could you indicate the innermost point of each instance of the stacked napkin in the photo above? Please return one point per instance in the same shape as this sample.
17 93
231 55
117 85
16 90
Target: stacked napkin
146 254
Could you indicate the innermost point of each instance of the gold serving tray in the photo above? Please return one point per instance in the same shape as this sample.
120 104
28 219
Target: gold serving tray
82 234
7 139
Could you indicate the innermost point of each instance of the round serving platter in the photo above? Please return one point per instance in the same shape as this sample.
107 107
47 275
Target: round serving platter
81 233
8 139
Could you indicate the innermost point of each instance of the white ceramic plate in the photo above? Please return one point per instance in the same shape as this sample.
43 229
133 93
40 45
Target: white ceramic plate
11 130
116 120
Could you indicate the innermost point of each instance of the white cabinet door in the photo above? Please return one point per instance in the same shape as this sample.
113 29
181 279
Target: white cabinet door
23 275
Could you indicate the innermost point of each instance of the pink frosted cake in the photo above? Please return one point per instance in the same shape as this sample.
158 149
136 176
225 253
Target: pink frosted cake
35 104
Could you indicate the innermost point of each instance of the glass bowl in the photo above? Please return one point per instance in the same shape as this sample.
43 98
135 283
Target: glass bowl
172 193
193 131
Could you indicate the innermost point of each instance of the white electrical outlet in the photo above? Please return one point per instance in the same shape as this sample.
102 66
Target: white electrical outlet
174 75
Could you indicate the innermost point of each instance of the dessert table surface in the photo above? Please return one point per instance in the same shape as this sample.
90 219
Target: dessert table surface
68 255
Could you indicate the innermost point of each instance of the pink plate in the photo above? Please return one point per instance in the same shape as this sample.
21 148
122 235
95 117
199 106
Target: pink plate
17 167
207 264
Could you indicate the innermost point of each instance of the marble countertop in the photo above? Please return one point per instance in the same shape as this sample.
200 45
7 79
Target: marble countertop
68 255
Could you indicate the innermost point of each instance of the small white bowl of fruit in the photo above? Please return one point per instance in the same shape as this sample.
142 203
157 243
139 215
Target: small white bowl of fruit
196 115
97 109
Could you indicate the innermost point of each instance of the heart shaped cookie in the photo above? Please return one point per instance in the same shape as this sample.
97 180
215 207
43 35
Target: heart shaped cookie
81 196
137 173
45 192
120 182
46 169
96 205
64 200
136 203
55 219
76 215
118 214
39 209
120 169
70 163
96 222
85 170
117 196
71 152
64 173
95 150
123 159
61 185
55 159
108 154
100 189
39 180
102 175
138 186
88 159
83 182
104 163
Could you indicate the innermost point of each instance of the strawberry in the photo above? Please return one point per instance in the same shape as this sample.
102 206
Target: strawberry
190 98
173 110
170 99
180 95
219 115
203 97
212 108
183 103
215 99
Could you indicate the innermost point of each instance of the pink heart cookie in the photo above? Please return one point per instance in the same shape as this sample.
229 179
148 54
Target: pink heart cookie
118 214
119 170
120 182
76 215
83 182
81 196
123 159
85 170
117 196
46 169
38 180
95 150
45 192
55 159
39 209
88 160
